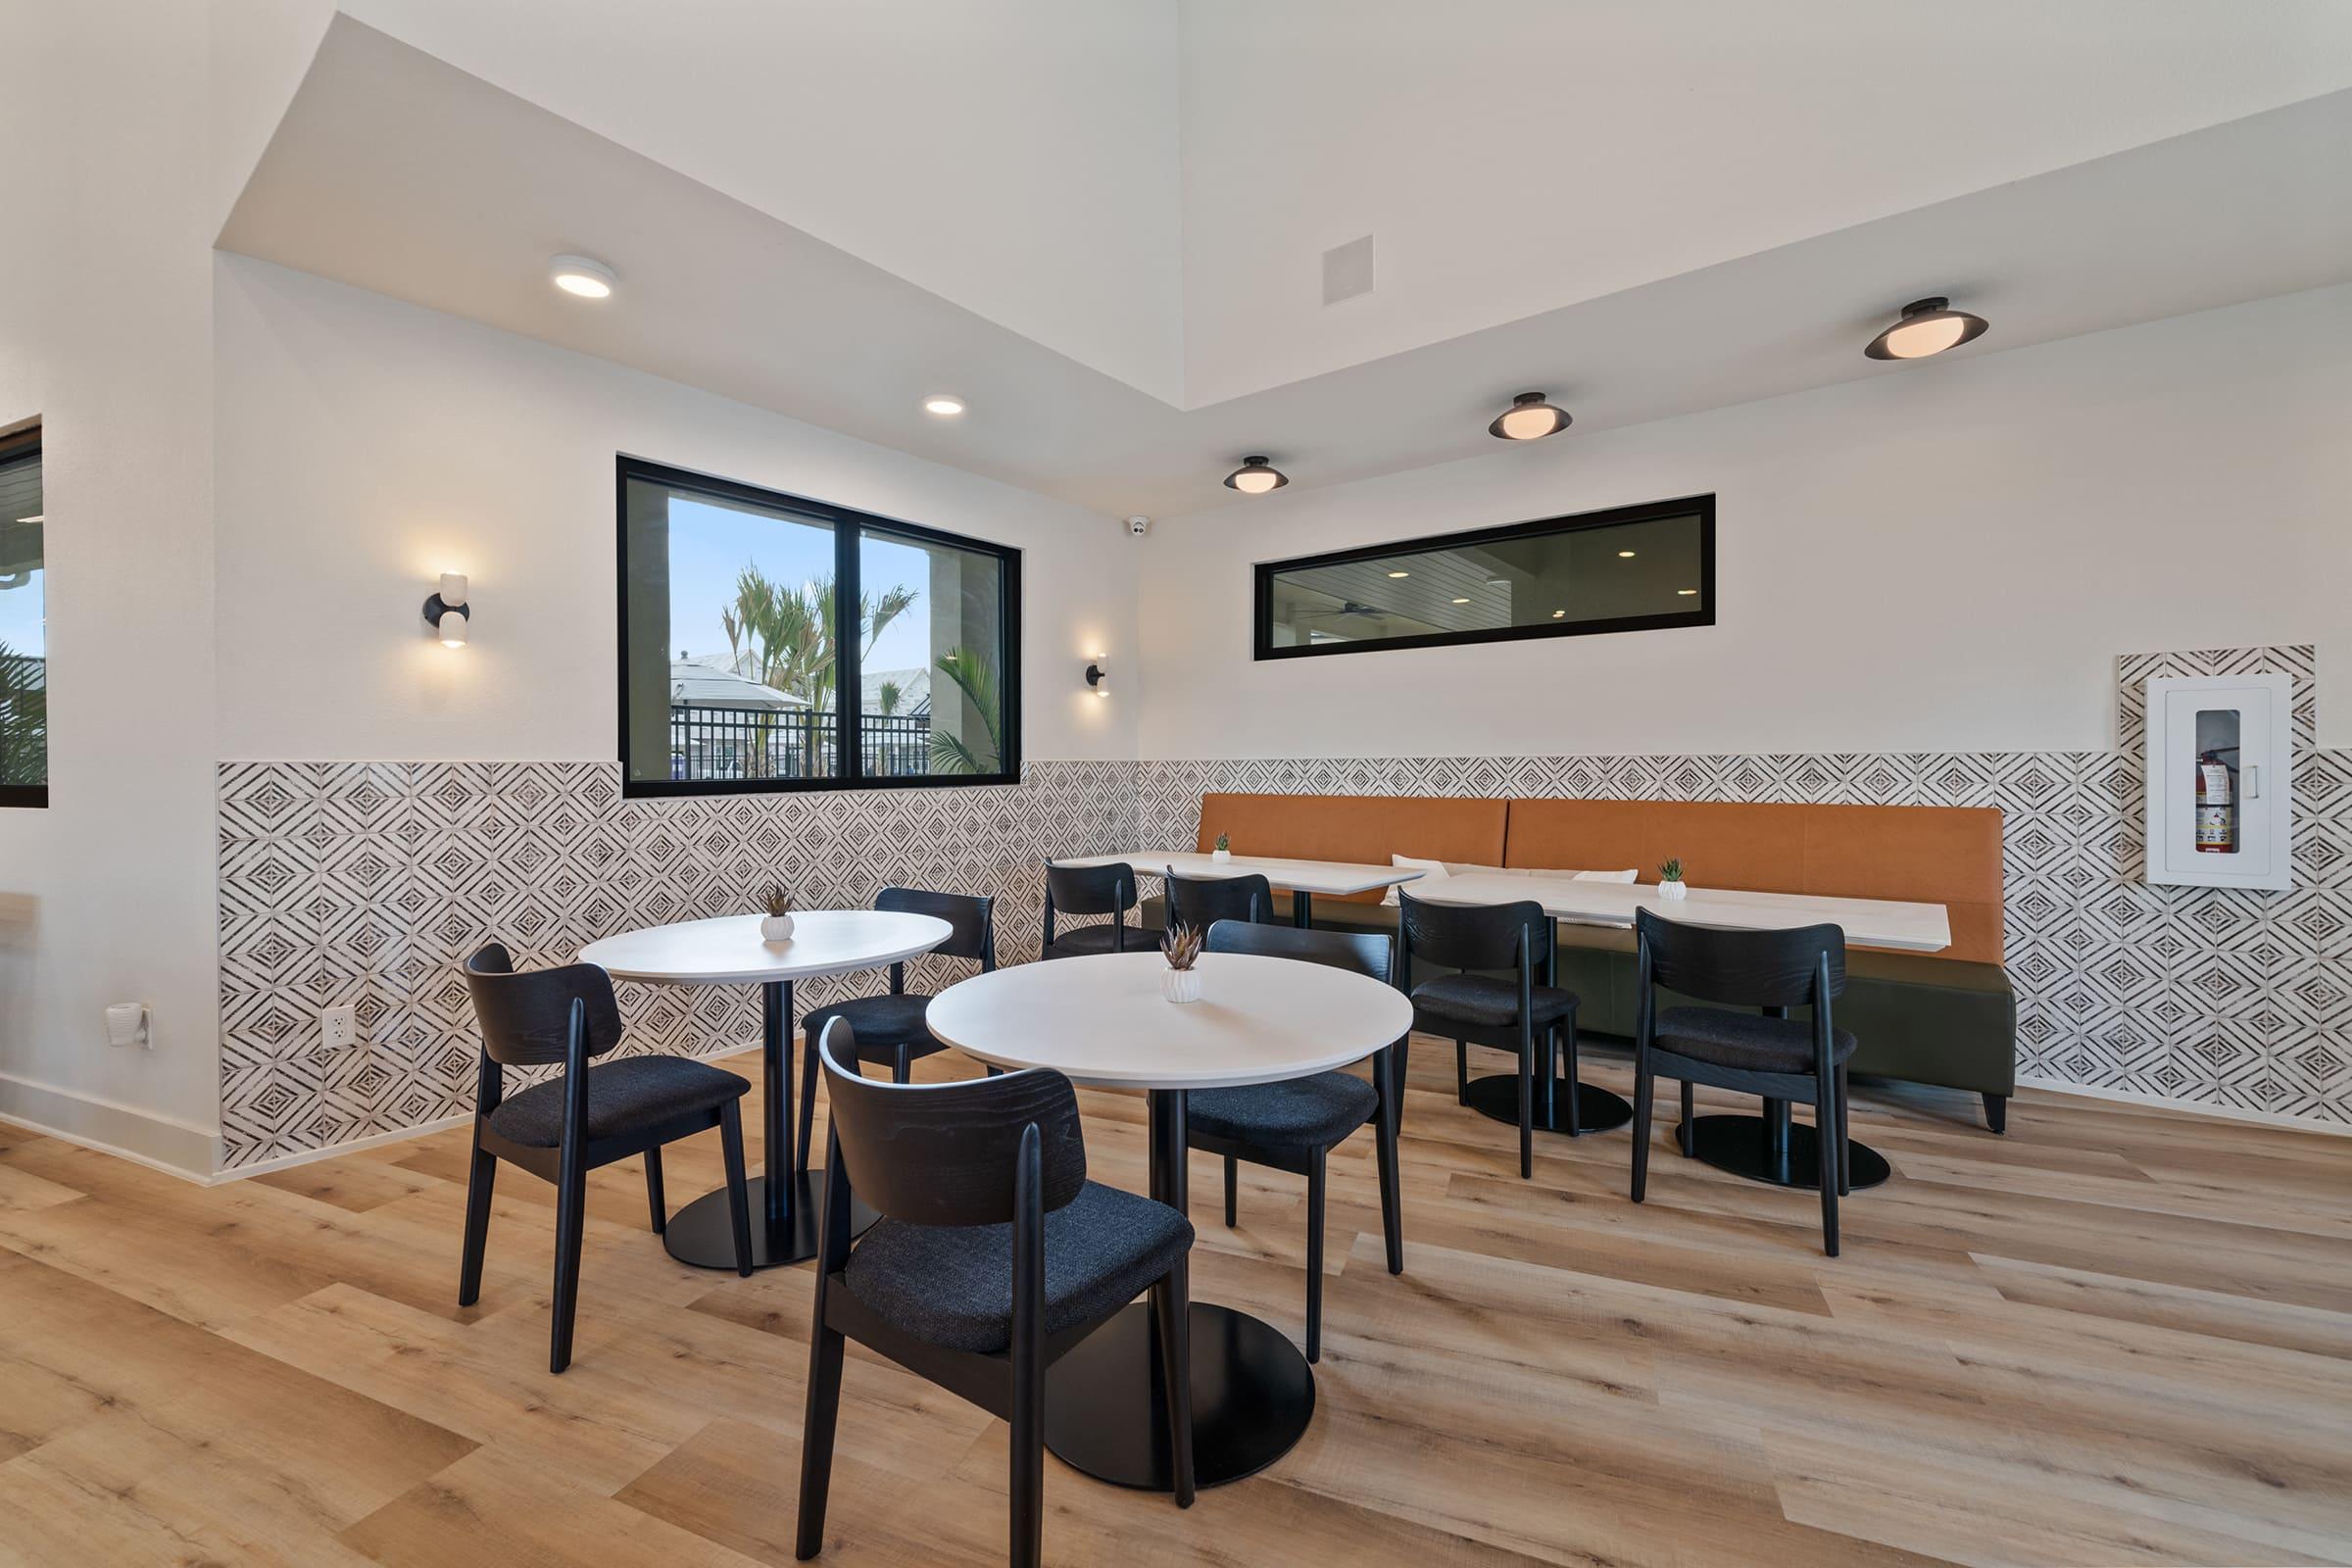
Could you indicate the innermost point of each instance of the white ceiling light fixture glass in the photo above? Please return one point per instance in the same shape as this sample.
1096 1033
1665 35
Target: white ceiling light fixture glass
1529 419
582 275
1928 327
945 407
1255 476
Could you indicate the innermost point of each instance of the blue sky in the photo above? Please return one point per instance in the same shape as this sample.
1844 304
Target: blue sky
709 545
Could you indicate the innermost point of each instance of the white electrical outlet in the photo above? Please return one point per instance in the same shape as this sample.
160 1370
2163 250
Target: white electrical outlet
339 1027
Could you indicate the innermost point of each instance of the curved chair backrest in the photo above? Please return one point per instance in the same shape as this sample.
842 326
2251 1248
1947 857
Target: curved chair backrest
1091 889
1740 968
1364 951
946 1154
972 921
526 1018
1484 936
1201 902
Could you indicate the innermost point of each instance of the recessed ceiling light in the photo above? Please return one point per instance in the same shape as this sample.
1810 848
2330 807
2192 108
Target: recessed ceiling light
583 275
1929 326
1558 615
1401 574
947 408
1686 592
1529 419
1461 601
1255 476
1624 555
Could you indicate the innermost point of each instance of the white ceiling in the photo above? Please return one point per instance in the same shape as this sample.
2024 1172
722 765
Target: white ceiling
397 171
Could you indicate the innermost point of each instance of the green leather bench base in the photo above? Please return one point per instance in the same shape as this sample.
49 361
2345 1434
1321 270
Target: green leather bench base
1922 1020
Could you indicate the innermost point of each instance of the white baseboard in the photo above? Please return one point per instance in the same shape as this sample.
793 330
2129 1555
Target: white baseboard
2194 1107
147 1138
350 1146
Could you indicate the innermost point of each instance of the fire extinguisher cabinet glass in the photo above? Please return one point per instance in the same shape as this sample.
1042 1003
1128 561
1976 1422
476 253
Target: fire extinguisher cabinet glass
2220 781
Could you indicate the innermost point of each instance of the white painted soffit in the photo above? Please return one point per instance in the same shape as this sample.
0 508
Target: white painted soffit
397 173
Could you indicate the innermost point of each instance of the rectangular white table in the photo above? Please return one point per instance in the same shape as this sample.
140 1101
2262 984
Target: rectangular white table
1866 922
1301 879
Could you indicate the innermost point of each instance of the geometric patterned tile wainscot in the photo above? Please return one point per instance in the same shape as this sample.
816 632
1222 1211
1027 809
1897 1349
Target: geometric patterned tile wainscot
369 882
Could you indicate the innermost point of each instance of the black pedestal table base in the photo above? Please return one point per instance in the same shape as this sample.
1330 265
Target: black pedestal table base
703 1235
1253 1397
1597 1109
1742 1146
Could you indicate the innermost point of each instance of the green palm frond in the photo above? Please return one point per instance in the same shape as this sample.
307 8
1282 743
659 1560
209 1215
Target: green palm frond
976 675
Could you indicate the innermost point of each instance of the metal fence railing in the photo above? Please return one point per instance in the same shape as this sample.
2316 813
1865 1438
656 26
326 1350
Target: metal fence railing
748 742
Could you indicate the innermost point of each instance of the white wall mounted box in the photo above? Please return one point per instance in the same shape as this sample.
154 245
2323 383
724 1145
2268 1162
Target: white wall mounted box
2220 781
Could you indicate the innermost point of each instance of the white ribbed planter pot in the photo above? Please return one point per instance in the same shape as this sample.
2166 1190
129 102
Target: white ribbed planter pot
775 928
1673 890
1180 985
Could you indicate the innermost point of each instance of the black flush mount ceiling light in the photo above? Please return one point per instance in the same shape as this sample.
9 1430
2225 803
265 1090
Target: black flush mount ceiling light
1255 476
1929 326
1529 419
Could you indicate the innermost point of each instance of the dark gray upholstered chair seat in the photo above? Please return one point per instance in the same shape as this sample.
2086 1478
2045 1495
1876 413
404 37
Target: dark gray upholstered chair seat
884 1020
1302 1114
1086 940
952 1284
623 1095
1487 1003
1746 1042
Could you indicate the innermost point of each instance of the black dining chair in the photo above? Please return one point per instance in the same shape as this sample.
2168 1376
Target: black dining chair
566 1127
993 1257
1094 890
1292 1126
1524 1015
1786 1060
890 1028
1200 902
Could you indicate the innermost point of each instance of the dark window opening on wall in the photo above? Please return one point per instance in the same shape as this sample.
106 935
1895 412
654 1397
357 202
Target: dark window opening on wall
1630 568
24 624
774 642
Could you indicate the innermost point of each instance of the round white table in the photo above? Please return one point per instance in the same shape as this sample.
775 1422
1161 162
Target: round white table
1103 1021
728 951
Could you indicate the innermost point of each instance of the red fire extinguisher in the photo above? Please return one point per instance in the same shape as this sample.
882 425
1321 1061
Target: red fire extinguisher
2216 806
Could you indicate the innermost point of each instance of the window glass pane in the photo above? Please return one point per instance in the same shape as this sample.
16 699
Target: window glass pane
24 642
1557 576
934 658
731 652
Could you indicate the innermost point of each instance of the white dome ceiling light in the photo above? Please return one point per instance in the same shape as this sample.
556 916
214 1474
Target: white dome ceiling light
1929 326
583 276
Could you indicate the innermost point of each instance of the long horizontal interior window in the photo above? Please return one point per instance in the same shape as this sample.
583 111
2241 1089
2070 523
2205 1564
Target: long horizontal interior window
23 628
772 643
1632 569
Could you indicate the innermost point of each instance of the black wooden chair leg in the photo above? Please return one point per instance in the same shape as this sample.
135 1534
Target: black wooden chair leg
572 1202
1845 1148
1996 1112
1392 1204
739 1190
1527 1108
478 1182
1645 1090
1171 1307
817 1439
1576 1115
1825 1124
1687 1135
654 1204
1314 1259
901 1066
1028 1478
807 1110
1233 1168
1461 1072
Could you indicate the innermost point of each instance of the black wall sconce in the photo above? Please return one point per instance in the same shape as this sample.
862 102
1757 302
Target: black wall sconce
1099 678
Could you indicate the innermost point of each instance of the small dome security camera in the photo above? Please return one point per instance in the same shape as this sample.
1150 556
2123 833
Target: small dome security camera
1139 526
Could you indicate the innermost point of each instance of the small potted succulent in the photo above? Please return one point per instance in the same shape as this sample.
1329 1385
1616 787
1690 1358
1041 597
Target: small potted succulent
1181 981
1670 881
776 924
1223 851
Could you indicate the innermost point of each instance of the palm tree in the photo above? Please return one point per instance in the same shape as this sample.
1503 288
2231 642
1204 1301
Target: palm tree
792 638
976 675
24 718
886 697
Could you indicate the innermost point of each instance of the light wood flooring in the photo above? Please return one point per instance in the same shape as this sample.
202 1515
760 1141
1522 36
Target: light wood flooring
2116 1336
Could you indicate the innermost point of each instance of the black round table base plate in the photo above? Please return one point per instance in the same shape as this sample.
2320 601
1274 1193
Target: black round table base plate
1736 1144
703 1233
1600 1111
1252 1397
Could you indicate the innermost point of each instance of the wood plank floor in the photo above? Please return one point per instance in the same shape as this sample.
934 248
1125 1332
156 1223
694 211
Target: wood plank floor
2117 1336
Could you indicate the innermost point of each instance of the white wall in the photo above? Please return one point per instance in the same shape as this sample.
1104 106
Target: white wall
367 446
107 895
1947 559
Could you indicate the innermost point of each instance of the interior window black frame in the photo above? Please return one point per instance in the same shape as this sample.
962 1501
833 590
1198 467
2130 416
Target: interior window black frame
1701 507
848 525
15 447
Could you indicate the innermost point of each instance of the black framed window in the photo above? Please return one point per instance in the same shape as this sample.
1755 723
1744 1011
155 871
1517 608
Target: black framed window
770 642
1630 568
23 624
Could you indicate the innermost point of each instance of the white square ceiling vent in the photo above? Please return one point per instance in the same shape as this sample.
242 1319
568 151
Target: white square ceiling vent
1347 271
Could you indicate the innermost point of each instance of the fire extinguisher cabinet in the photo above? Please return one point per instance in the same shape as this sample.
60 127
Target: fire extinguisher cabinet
2220 781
